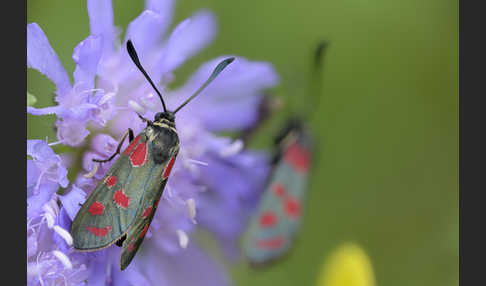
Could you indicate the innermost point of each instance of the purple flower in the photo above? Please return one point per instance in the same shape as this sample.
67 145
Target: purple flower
45 174
80 104
214 182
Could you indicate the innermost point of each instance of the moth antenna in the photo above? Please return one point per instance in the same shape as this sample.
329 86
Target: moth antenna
219 68
319 53
315 82
133 55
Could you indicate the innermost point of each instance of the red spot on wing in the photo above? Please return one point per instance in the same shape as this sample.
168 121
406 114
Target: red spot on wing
144 231
292 207
96 208
130 147
297 157
271 243
278 190
110 181
121 199
139 155
168 168
157 203
147 212
98 231
268 219
131 247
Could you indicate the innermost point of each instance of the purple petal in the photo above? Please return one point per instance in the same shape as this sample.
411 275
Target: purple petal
187 39
39 150
47 162
71 132
44 111
234 95
125 120
105 101
225 213
87 55
104 144
43 58
145 31
164 7
71 201
130 276
33 174
36 199
101 23
190 266
31 244
64 221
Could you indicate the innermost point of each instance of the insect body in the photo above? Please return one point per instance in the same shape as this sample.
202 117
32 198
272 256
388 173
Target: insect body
274 226
123 204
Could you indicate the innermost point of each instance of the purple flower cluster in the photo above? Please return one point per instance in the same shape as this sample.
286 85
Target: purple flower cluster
214 183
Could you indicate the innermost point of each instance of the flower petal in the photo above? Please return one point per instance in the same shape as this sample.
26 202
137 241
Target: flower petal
234 95
87 55
246 173
43 58
49 163
104 144
145 31
190 266
71 131
101 23
37 195
72 200
45 111
188 38
164 7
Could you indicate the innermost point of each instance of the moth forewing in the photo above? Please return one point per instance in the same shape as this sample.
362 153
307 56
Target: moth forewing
120 197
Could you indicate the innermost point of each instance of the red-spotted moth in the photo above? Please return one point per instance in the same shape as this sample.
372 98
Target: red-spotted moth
121 207
274 226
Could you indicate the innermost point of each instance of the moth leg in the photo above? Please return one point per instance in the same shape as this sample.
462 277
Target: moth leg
130 139
119 242
149 122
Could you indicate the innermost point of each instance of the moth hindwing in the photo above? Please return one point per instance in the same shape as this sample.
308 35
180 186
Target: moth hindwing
122 206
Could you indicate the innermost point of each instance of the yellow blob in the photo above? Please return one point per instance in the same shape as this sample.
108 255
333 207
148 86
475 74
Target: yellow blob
348 265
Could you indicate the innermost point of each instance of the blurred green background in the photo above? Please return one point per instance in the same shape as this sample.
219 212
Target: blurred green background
386 174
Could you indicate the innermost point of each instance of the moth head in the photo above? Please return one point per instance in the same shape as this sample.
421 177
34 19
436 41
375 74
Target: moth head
166 115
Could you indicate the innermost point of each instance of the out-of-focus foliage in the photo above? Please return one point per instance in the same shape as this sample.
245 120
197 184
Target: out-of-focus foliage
386 167
31 100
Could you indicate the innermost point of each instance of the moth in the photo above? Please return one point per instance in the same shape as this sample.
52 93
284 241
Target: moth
120 209
275 224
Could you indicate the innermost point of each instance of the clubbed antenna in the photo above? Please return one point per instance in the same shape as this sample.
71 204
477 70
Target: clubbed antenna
319 54
316 76
219 68
136 61
314 83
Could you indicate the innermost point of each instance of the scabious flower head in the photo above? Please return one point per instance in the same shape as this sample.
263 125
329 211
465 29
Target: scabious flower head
214 183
